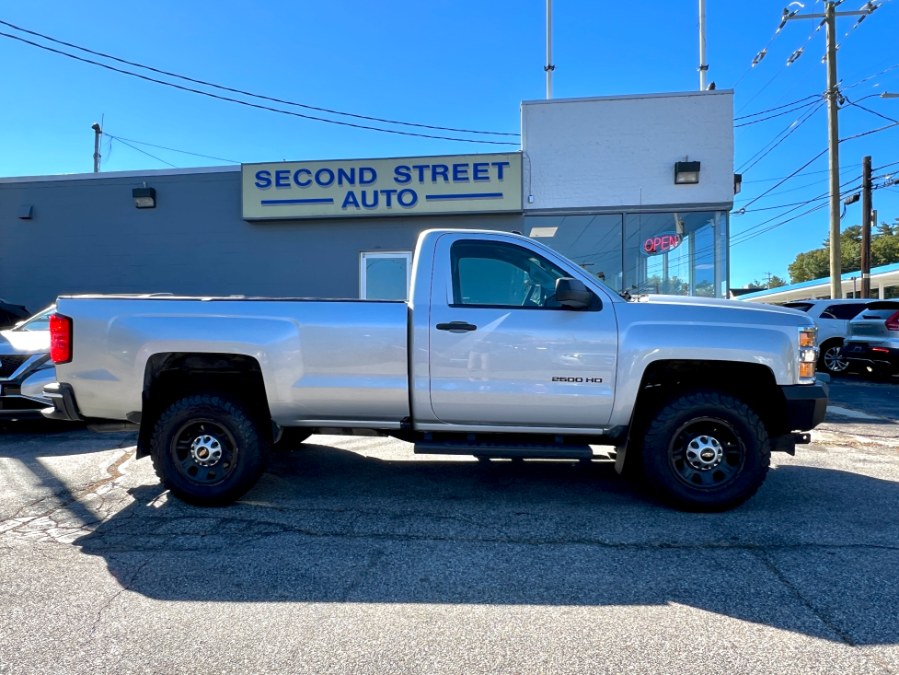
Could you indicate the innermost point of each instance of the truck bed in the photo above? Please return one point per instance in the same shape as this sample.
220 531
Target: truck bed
334 360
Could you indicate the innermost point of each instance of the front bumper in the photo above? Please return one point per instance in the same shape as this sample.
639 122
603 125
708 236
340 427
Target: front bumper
806 404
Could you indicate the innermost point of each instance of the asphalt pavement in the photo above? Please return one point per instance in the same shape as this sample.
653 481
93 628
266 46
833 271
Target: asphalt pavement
354 556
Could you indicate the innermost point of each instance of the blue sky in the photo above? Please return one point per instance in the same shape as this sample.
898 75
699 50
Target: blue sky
464 64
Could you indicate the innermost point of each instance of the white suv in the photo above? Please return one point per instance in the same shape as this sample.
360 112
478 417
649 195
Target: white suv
832 318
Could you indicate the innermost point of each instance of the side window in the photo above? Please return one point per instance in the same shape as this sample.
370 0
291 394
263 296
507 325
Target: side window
845 311
384 276
502 275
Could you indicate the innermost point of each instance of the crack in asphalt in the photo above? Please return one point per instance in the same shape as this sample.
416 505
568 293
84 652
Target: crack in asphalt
125 586
62 498
818 613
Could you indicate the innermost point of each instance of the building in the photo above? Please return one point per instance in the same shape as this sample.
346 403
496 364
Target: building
884 285
637 189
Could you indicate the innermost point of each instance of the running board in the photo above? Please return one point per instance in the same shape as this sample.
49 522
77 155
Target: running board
501 451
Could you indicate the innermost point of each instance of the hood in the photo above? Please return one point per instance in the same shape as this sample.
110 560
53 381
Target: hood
24 342
663 309
695 301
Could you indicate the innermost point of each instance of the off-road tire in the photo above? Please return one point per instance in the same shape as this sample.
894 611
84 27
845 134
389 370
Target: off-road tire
705 451
208 449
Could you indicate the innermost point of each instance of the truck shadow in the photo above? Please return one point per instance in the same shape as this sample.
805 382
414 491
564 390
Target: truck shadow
815 552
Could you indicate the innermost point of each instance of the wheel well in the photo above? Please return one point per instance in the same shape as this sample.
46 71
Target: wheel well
830 342
752 383
174 375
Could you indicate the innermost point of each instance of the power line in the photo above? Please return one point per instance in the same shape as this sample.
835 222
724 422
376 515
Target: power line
249 104
873 112
780 138
247 93
771 117
871 77
804 173
158 159
785 105
784 180
163 147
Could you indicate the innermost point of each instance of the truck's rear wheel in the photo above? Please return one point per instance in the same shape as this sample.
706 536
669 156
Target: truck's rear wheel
706 451
208 449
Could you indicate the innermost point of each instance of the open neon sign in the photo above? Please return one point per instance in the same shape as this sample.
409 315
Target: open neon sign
662 243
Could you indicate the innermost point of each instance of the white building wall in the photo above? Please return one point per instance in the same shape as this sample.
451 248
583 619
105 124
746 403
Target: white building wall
620 151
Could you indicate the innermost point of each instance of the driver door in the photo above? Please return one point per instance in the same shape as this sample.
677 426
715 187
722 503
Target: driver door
504 352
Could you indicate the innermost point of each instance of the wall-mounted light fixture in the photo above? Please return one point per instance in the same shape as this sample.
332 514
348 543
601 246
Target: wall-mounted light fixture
686 173
738 183
144 197
25 212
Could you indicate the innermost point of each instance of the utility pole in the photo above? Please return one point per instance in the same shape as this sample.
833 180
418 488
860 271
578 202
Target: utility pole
97 131
866 227
833 143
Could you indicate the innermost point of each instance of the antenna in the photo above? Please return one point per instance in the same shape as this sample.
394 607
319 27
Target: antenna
703 66
549 67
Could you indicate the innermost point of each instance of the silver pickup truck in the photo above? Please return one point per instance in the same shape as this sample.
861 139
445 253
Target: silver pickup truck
506 349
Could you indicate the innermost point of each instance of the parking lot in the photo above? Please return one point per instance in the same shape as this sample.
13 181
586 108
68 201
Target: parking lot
353 555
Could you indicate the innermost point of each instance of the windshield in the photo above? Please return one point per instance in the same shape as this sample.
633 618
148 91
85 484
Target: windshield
40 321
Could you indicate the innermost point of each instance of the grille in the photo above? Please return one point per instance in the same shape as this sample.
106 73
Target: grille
9 364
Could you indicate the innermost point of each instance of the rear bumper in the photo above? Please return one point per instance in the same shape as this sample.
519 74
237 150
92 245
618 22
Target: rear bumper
62 396
871 356
806 405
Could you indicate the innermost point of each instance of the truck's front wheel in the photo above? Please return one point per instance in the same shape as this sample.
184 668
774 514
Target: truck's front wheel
208 449
706 451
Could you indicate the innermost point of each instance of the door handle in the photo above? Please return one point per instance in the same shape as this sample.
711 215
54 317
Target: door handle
457 327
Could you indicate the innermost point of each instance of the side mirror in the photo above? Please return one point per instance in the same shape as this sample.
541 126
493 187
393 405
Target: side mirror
572 293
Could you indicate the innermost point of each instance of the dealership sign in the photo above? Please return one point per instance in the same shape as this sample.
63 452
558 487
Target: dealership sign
661 243
382 187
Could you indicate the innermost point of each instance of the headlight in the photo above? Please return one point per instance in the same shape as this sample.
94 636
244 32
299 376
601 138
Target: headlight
808 337
808 354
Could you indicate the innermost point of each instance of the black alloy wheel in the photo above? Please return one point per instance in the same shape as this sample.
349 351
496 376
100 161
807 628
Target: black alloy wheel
209 449
705 451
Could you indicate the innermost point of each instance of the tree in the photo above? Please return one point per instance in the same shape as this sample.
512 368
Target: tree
816 264
773 282
810 265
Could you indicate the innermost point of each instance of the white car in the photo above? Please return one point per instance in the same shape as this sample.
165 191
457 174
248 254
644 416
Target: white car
832 318
25 367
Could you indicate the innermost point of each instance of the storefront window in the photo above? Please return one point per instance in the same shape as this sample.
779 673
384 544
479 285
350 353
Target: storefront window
592 241
677 253
673 253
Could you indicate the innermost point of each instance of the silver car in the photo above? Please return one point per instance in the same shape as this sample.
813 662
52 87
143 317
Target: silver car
832 318
873 342
25 367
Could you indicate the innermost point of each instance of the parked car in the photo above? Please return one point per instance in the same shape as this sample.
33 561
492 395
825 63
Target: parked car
25 367
832 318
11 314
873 341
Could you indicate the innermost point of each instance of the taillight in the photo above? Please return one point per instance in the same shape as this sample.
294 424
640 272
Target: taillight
893 322
60 338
